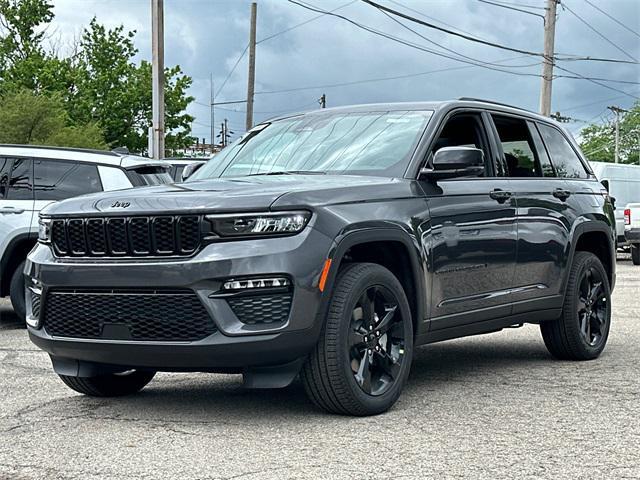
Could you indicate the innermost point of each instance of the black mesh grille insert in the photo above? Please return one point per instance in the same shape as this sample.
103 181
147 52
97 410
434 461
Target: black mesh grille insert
258 309
127 236
144 315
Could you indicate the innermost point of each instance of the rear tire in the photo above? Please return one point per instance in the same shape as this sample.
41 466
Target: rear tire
582 330
113 385
635 254
363 357
16 291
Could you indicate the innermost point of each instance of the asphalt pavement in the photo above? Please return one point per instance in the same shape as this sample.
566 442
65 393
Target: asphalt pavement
491 406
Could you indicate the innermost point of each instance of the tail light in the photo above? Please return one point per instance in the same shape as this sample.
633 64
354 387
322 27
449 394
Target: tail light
627 216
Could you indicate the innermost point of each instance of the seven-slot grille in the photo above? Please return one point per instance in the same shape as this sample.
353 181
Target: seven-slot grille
173 315
166 235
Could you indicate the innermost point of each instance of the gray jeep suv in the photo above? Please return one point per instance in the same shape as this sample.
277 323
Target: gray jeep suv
330 244
32 177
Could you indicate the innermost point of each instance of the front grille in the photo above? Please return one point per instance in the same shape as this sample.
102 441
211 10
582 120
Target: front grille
260 309
164 235
144 315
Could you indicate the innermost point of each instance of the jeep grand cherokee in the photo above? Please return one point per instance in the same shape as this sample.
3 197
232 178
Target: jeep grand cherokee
329 245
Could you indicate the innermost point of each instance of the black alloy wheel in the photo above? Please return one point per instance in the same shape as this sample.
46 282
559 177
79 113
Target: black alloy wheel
592 307
376 340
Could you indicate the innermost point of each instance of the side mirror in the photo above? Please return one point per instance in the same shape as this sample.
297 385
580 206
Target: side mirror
450 162
190 170
605 184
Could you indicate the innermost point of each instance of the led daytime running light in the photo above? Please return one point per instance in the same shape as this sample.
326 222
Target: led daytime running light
256 283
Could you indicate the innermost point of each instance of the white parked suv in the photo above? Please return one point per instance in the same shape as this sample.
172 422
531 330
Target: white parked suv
31 177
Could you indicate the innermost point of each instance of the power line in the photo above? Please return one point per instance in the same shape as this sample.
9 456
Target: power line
614 19
512 8
538 7
412 44
305 22
231 71
475 38
577 107
594 81
596 31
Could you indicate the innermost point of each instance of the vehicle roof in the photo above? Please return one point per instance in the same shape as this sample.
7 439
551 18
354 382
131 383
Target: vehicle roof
435 106
103 157
616 171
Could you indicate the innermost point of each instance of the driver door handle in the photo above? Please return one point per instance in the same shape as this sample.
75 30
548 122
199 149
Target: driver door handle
500 195
561 193
5 210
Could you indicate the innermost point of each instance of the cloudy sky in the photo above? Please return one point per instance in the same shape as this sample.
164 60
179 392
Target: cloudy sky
332 56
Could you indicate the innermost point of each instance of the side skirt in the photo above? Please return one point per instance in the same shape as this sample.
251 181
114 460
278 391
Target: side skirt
488 326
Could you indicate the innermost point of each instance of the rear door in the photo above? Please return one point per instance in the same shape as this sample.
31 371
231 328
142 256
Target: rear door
16 198
543 227
472 242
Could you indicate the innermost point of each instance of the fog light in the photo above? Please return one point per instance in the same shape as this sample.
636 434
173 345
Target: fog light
252 283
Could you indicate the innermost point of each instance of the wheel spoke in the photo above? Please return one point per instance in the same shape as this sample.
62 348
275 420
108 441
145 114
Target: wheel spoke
383 325
389 365
366 301
356 338
582 304
584 326
594 293
363 377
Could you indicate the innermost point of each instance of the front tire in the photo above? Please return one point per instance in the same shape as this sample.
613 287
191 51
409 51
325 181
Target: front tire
16 291
582 330
635 254
112 385
363 357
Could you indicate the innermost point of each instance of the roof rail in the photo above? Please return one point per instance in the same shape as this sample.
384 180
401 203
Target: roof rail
67 149
472 99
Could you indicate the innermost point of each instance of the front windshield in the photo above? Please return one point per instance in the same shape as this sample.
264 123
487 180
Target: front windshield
364 143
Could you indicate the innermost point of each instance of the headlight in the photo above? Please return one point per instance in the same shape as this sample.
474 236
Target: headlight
259 224
44 230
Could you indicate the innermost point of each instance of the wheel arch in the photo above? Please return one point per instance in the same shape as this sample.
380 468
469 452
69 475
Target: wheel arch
595 237
394 249
16 251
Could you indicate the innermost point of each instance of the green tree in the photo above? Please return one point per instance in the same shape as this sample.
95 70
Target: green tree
598 141
29 118
99 83
116 93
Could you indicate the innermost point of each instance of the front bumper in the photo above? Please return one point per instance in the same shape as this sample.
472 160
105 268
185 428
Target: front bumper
235 344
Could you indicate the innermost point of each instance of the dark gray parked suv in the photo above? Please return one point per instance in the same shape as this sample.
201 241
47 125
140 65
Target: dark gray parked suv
330 244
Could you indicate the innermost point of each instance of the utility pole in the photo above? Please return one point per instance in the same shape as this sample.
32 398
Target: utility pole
323 101
252 66
157 77
212 113
547 65
226 132
617 111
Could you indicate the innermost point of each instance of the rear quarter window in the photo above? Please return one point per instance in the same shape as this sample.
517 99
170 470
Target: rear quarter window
565 160
60 179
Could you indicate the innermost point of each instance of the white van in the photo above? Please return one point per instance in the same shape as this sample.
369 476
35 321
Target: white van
623 183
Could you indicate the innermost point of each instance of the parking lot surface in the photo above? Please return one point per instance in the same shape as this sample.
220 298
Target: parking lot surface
490 406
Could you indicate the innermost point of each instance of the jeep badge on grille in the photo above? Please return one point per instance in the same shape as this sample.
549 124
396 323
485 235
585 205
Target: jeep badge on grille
118 204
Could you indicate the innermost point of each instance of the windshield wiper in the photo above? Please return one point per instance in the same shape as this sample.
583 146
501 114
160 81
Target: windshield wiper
289 172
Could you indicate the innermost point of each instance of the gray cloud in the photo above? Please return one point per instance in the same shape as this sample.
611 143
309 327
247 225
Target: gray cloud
206 37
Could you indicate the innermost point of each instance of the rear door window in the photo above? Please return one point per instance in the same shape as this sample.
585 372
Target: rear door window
60 179
20 180
563 157
5 171
518 147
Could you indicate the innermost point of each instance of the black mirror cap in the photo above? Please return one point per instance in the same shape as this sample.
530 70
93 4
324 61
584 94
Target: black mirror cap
605 184
449 162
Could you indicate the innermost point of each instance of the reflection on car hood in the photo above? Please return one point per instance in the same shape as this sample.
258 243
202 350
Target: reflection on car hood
236 194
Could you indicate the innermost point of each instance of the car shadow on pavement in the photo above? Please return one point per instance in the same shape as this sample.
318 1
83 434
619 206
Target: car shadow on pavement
220 399
8 319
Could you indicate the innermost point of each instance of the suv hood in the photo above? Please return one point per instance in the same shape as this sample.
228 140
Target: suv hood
237 194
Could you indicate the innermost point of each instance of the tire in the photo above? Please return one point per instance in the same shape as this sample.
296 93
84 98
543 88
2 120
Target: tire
582 330
635 254
353 370
16 291
112 385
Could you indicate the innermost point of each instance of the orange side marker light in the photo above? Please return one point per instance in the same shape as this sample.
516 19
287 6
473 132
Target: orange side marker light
324 274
